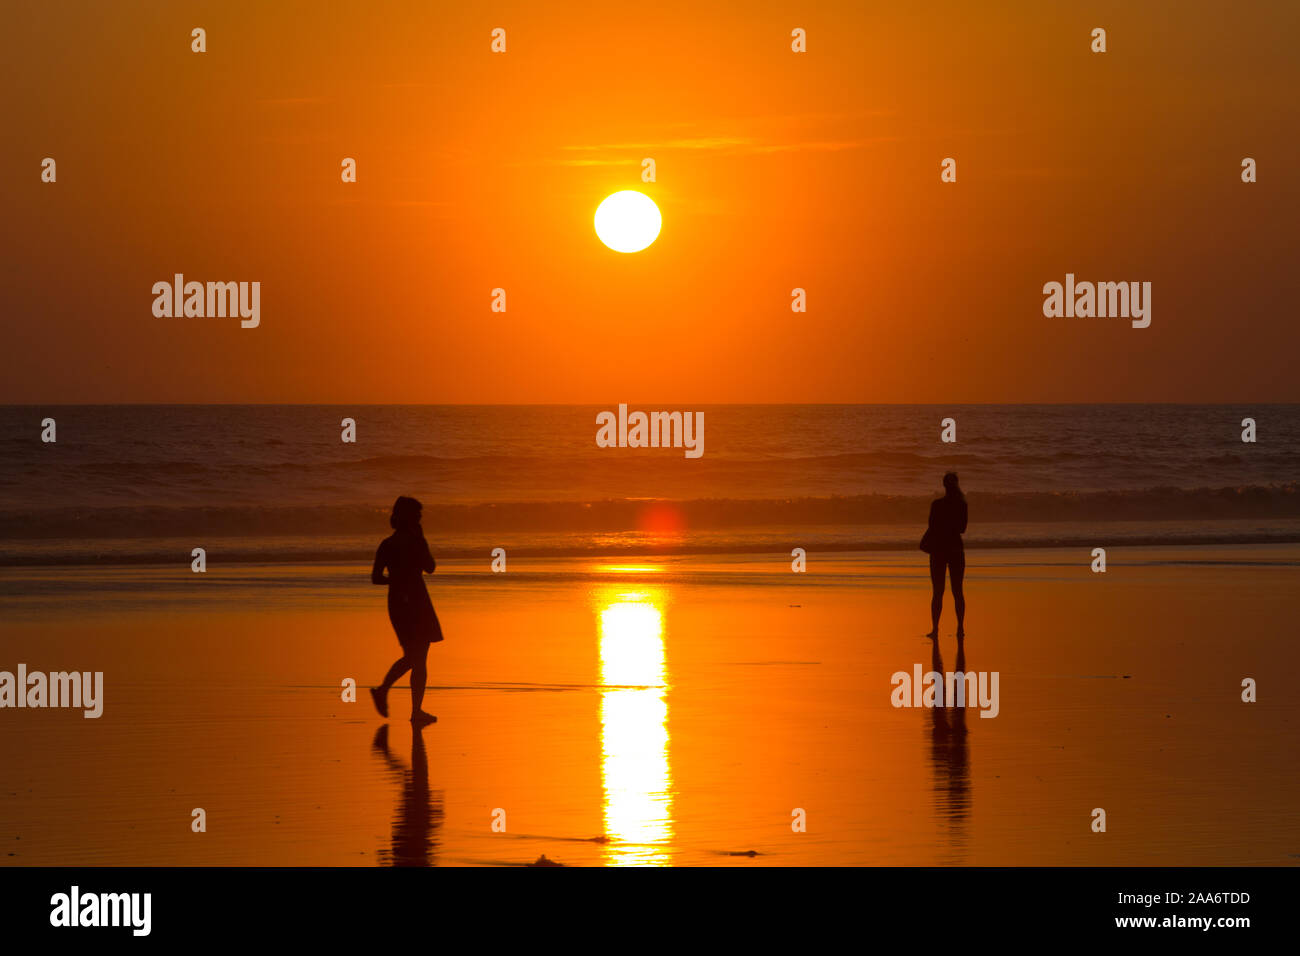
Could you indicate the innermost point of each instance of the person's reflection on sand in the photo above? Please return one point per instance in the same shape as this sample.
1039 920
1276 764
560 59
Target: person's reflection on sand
418 817
950 762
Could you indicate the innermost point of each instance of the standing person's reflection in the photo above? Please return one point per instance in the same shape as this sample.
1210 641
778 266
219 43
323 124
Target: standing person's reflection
416 823
950 758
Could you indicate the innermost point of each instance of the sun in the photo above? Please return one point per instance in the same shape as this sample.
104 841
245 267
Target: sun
628 221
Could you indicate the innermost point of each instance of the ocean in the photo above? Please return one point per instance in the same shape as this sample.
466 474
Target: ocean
142 483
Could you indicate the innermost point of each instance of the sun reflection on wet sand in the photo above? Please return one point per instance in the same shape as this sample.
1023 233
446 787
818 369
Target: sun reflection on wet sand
634 729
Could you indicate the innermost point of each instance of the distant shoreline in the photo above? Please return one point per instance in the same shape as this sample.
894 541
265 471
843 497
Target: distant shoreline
779 550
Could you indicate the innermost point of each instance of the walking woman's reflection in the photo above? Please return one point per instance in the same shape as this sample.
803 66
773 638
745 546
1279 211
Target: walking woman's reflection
419 816
950 760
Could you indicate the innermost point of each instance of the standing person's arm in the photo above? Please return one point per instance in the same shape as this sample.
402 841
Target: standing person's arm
934 508
427 563
377 572
962 529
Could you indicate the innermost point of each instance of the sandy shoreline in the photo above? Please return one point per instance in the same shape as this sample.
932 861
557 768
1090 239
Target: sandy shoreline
680 709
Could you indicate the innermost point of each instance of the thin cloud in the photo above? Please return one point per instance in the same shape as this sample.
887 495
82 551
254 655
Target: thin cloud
719 144
294 100
705 142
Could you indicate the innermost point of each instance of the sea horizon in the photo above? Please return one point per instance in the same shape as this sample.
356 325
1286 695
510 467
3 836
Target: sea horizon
134 483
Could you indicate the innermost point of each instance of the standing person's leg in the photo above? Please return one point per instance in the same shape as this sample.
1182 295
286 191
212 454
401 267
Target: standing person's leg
957 572
936 599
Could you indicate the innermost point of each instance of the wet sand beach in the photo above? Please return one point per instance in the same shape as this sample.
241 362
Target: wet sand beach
663 711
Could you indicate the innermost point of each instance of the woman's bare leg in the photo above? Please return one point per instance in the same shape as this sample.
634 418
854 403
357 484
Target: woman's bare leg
400 667
380 694
957 572
419 675
936 601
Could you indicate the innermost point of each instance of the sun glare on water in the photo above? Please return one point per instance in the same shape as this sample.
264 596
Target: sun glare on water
634 730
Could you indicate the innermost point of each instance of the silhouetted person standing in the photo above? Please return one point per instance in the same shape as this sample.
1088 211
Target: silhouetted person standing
943 542
405 554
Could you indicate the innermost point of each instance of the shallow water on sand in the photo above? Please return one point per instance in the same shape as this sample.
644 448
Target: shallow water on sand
673 711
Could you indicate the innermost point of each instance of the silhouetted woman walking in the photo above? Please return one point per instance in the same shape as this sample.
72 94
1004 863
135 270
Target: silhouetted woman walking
405 554
943 542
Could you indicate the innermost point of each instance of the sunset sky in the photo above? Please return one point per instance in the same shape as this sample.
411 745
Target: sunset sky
775 170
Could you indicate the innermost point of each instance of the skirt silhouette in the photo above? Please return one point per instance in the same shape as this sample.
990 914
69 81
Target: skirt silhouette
413 618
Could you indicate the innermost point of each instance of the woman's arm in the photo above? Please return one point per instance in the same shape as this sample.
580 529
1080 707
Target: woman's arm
377 575
962 529
428 563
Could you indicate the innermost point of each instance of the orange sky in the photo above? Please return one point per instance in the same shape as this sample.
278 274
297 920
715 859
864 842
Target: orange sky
775 170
